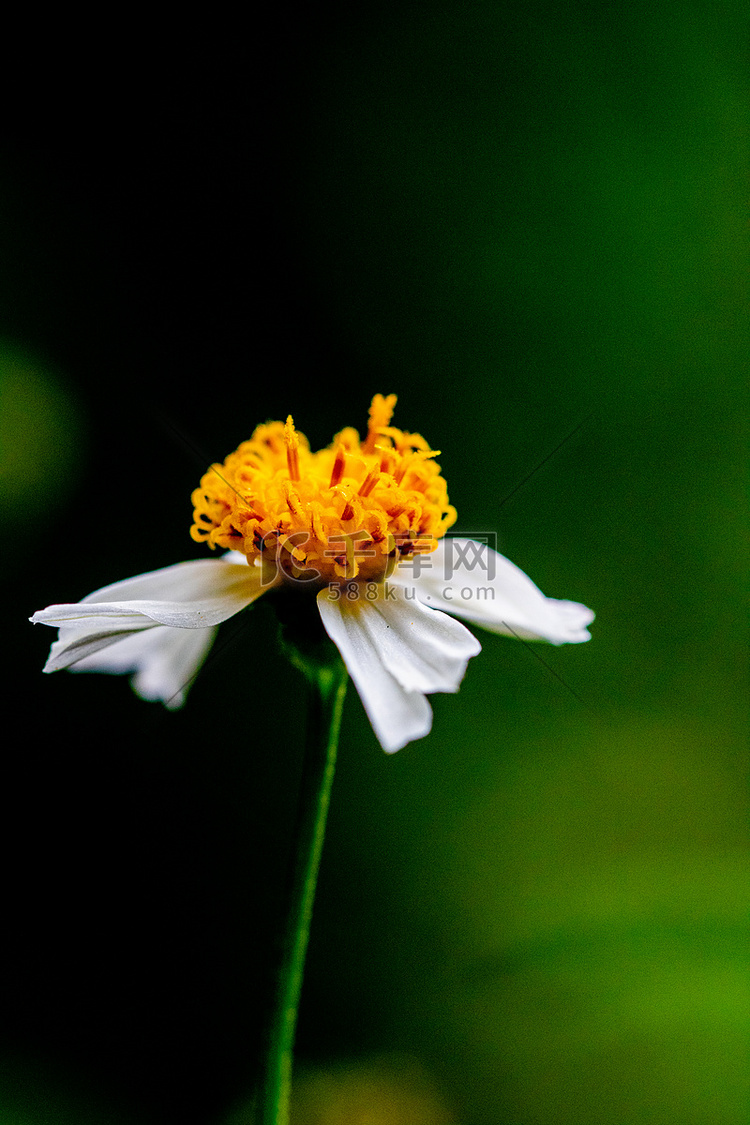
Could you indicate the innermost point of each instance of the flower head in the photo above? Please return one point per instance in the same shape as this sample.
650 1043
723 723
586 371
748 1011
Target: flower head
348 512
360 526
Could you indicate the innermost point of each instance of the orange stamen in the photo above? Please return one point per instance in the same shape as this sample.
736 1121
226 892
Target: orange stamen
381 413
292 449
369 482
339 463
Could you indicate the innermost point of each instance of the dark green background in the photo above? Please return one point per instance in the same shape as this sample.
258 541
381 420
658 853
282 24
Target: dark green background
526 221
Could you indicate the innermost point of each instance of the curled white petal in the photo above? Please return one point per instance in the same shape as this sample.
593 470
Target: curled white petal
74 644
476 583
396 650
190 595
165 661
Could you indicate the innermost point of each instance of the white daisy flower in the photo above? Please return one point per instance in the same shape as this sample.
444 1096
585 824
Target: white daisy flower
359 525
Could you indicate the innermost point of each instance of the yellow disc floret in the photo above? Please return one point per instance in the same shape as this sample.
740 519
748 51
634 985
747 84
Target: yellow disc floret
351 511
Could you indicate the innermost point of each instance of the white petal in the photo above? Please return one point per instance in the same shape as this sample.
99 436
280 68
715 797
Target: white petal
190 595
396 650
235 557
74 644
165 661
476 583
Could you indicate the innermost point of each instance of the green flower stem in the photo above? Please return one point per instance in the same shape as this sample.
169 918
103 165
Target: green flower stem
327 687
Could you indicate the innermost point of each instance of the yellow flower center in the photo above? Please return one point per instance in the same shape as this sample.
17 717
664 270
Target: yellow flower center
350 511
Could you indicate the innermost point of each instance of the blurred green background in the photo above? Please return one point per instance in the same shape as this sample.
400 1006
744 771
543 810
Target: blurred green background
528 222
